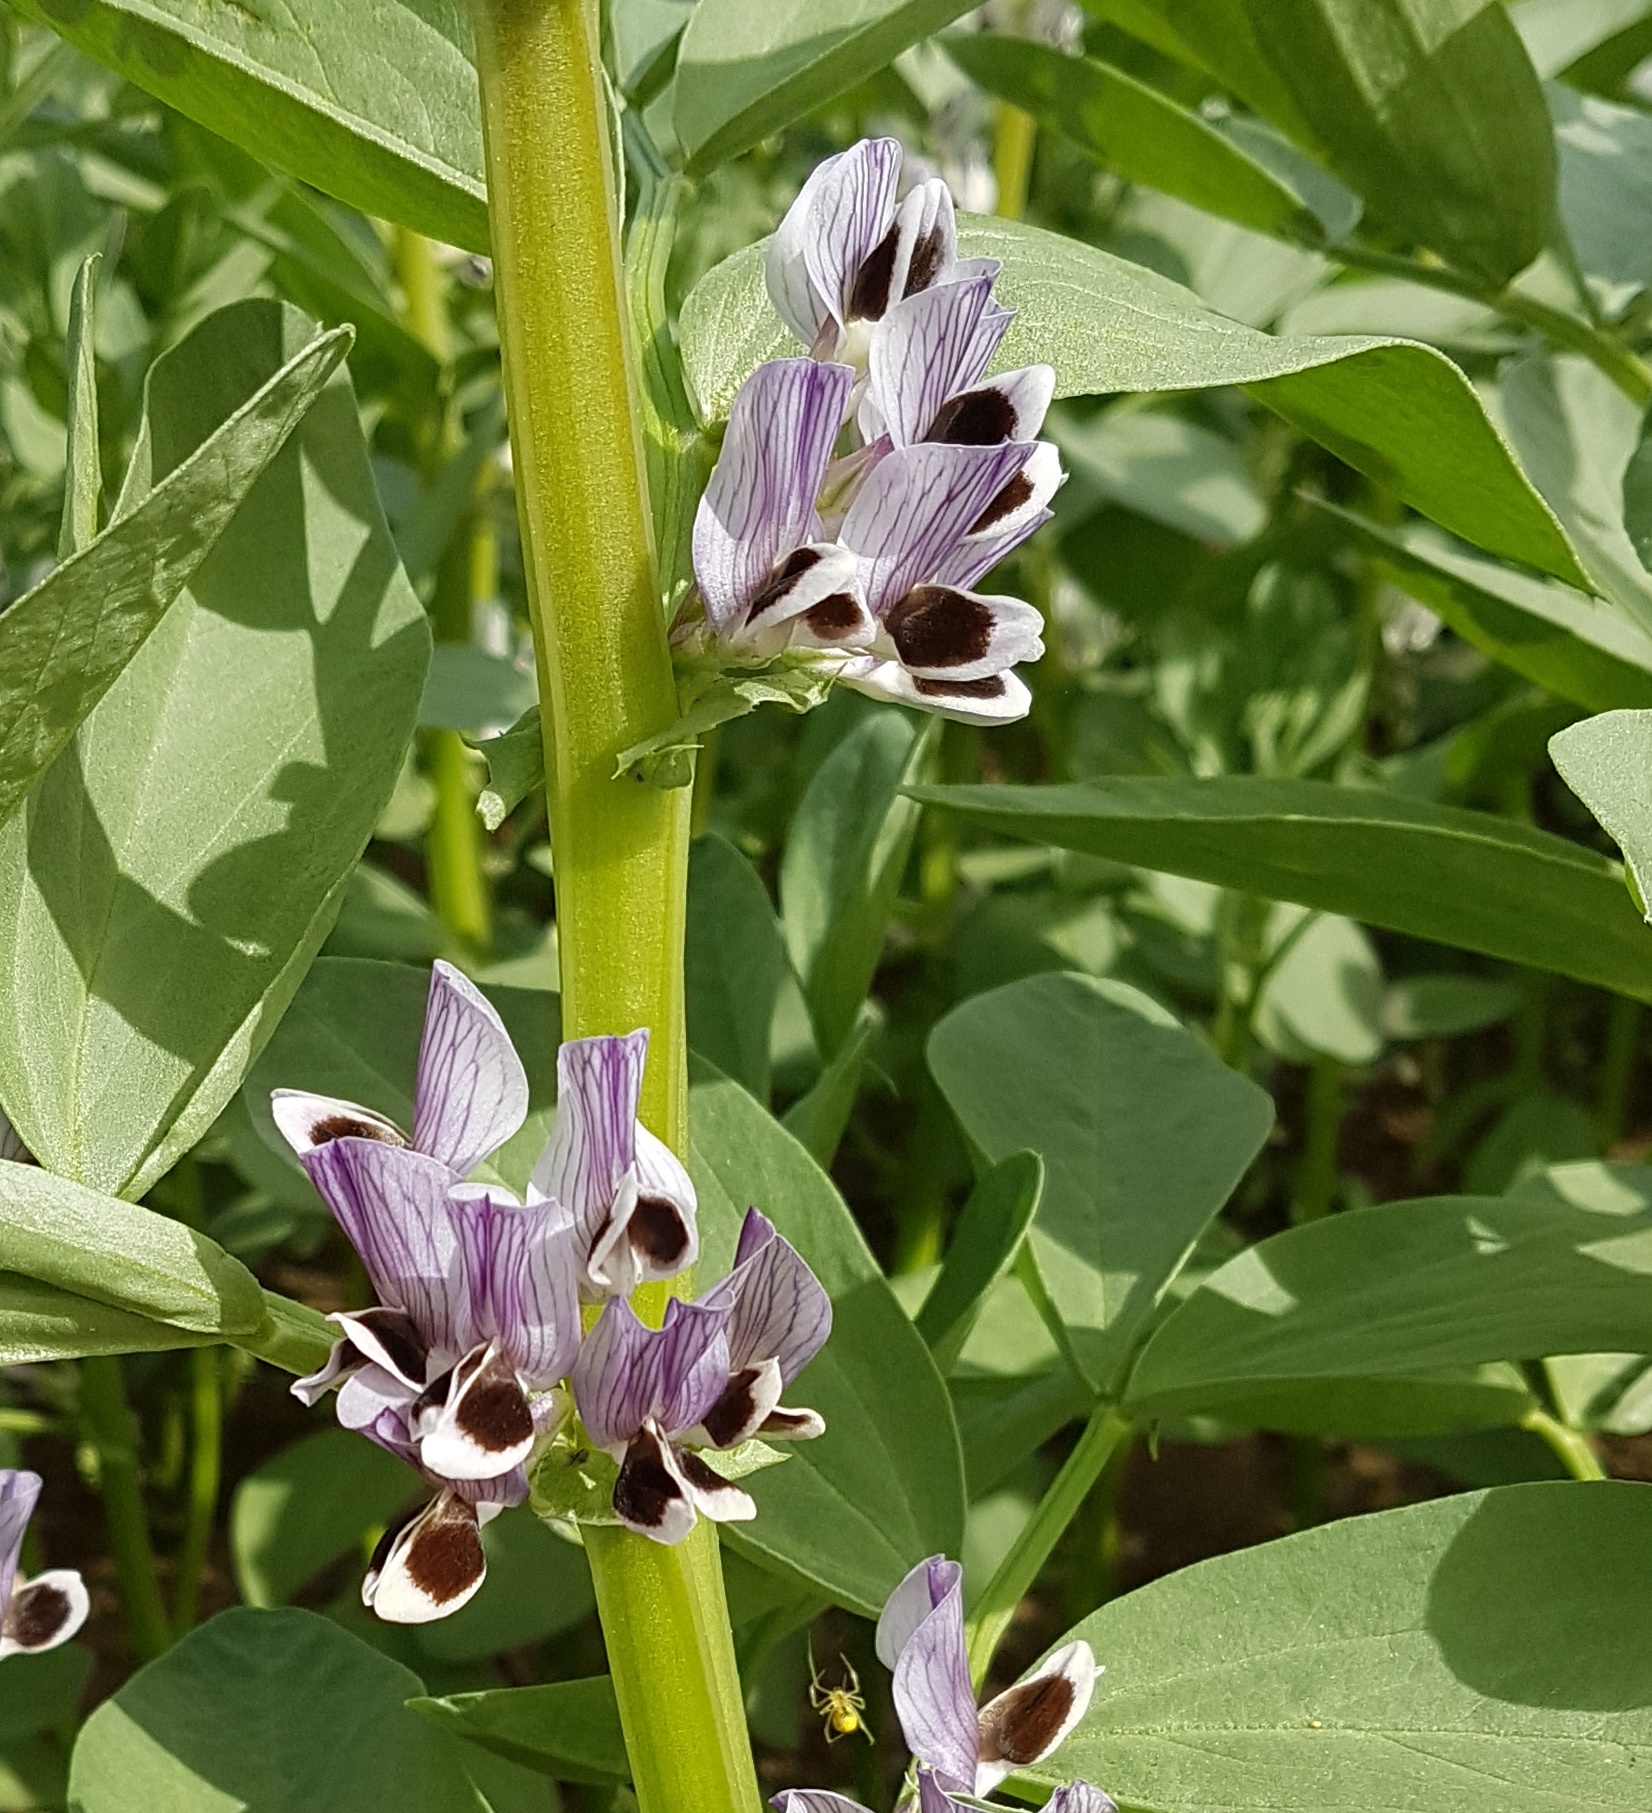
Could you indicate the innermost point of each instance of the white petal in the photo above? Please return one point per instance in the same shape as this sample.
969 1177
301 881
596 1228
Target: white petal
942 633
44 1612
1002 700
1031 1720
306 1121
429 1566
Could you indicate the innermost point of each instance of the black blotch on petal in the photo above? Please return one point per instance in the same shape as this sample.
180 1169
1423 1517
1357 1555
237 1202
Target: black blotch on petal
700 1476
444 1556
834 617
394 1330
782 580
781 1422
979 418
492 1411
1009 500
926 260
657 1231
935 626
990 687
1024 1723
727 1420
645 1490
869 294
36 1614
350 1126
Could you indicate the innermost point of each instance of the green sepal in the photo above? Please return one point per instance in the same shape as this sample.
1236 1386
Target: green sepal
710 698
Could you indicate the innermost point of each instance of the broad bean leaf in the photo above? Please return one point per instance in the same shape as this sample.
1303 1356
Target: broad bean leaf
308 1505
819 1117
169 879
1324 994
883 1487
1424 1286
353 1031
1463 878
63 645
981 1250
1430 109
379 109
1165 467
1484 1652
1605 190
467 687
744 73
1399 412
1557 33
516 765
1607 763
82 469
41 1322
842 866
732 961
43 1690
1135 130
1583 648
1143 1131
282 1711
569 1730
122 1255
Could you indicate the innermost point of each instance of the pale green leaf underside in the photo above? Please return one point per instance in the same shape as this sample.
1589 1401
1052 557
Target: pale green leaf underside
1395 409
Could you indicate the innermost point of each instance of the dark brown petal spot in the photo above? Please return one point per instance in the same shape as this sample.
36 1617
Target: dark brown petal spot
1021 1726
36 1614
834 617
699 1475
1009 500
869 294
444 1557
394 1332
729 1419
935 626
350 1126
926 260
991 687
781 1422
979 418
657 1231
645 1490
493 1412
781 581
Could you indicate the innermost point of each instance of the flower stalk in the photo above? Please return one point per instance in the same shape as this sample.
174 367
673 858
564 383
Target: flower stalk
620 847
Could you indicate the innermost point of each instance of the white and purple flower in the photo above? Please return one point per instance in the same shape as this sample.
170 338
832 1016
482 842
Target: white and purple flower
962 1753
35 1614
863 491
710 1378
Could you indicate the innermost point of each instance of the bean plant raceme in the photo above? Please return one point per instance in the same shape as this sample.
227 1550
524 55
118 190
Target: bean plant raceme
861 492
471 1362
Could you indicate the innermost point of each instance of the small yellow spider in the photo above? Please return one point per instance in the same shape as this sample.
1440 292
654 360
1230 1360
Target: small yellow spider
840 1707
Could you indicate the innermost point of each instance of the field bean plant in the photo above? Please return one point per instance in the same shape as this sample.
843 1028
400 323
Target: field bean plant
825 830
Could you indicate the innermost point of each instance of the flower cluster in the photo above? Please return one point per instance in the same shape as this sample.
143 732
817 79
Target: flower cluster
960 1752
862 491
471 1359
40 1613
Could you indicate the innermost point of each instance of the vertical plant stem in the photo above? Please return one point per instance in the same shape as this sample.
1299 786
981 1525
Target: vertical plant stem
1036 1543
1617 1069
1316 1173
1014 140
453 845
113 1431
605 683
206 1420
1575 1450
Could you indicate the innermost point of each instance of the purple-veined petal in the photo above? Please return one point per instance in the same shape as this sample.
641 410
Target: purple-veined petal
392 1204
747 1401
615 1377
759 503
786 273
491 1496
998 699
43 1613
925 350
427 1566
651 1496
476 1422
813 600
1019 510
663 1230
914 508
1028 1722
933 1798
1010 407
472 1092
306 1121
1081 1797
693 1364
341 1362
942 633
848 224
933 1697
377 1403
780 1311
927 239
523 1279
19 1494
814 1800
911 1602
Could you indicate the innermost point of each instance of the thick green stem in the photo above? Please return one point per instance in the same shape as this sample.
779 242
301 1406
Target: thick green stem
113 1431
206 1417
1316 1174
1036 1543
1574 1449
1014 140
605 683
1617 1068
